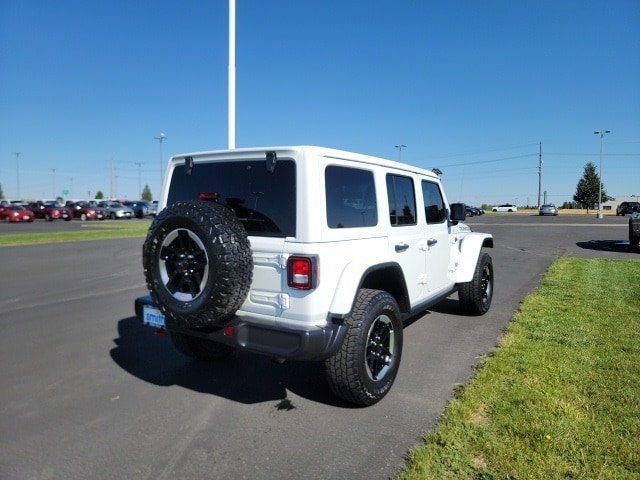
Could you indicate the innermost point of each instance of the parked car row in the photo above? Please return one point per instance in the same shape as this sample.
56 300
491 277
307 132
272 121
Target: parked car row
83 210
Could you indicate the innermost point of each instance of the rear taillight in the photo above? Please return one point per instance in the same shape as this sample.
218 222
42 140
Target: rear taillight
302 272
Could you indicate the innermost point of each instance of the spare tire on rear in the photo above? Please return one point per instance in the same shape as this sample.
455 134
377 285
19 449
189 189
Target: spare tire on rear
197 263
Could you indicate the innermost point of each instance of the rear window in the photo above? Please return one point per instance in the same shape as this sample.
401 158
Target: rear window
264 202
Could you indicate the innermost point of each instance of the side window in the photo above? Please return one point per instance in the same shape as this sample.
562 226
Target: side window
351 197
402 200
433 203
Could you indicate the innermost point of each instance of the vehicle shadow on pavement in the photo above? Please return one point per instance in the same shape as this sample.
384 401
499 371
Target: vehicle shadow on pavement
243 377
607 246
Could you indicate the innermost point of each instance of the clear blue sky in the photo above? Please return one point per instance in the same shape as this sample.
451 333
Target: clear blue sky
471 87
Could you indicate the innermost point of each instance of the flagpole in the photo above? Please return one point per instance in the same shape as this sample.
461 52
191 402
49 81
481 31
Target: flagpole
232 74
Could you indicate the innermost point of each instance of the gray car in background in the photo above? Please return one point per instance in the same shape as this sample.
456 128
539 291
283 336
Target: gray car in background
116 210
548 209
141 208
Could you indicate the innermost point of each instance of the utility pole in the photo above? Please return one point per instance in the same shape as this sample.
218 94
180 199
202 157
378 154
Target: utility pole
161 138
111 196
539 175
17 154
139 179
601 133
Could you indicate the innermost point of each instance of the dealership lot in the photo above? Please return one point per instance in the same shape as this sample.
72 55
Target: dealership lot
87 392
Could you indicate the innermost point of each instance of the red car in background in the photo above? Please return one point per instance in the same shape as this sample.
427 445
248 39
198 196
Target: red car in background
50 211
15 213
84 211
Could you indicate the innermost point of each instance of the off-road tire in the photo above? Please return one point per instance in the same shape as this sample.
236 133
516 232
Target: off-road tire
475 296
200 348
366 365
197 263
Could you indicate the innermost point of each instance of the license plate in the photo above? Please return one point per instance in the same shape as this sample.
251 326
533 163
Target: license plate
26 217
152 316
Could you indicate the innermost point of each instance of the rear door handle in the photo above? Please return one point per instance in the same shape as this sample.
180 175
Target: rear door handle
401 247
431 242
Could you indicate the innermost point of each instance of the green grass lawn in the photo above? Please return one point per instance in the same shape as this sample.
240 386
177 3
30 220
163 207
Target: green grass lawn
560 397
93 231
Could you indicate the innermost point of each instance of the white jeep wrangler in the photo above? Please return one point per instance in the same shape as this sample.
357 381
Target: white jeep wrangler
307 253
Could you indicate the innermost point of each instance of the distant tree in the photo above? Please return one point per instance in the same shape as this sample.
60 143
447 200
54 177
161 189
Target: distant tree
1 192
146 194
588 188
99 195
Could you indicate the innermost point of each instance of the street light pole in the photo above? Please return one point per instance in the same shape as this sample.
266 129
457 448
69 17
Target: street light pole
400 147
232 76
17 154
601 133
161 138
139 179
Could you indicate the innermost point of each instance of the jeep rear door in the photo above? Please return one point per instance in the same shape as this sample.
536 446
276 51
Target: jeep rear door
407 243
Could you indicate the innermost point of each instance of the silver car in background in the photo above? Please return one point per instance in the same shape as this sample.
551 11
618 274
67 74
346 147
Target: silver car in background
116 210
548 209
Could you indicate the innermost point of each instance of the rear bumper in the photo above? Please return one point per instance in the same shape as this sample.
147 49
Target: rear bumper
310 343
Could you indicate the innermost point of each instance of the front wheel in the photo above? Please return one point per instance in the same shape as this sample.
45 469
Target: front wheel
475 296
634 241
365 367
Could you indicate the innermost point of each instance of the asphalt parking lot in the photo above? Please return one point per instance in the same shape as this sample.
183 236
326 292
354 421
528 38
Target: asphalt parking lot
87 392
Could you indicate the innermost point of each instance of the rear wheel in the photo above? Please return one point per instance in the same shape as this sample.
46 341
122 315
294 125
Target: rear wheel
366 365
475 296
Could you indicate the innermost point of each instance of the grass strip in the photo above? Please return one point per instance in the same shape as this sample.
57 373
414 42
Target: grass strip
560 397
93 231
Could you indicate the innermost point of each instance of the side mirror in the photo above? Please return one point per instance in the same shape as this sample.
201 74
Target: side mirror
458 212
